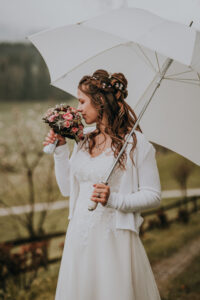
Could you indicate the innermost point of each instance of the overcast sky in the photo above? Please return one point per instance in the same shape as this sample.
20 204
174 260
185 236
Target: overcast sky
19 18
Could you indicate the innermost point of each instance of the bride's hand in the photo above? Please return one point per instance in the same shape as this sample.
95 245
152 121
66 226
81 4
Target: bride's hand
104 191
52 136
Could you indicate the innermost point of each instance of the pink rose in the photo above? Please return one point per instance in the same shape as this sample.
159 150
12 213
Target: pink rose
67 124
52 118
74 129
68 116
49 112
73 109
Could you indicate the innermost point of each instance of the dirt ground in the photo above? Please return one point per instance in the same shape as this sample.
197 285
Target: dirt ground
165 270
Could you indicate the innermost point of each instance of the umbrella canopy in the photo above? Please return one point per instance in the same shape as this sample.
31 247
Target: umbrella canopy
137 43
181 11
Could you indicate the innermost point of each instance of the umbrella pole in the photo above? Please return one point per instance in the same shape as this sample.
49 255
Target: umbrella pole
166 66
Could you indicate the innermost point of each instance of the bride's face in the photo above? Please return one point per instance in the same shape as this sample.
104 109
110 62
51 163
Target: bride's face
88 111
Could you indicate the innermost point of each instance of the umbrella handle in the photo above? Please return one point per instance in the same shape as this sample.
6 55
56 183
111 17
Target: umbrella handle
50 148
92 205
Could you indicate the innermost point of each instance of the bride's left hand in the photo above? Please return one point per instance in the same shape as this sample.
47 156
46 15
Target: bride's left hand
104 191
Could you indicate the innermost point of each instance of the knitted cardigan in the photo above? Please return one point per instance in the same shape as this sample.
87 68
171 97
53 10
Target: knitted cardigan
139 186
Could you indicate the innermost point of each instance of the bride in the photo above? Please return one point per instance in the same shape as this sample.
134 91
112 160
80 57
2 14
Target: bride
103 256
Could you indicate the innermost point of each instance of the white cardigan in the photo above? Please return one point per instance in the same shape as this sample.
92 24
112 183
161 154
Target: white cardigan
139 188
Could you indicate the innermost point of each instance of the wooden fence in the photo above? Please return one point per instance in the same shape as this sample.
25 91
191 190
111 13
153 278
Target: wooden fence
176 204
50 236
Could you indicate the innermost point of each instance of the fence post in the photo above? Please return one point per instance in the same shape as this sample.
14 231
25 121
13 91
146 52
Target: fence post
194 200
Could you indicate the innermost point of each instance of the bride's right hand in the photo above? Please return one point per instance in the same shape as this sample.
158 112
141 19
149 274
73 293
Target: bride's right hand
52 136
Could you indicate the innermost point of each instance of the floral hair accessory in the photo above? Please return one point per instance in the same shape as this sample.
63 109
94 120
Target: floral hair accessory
117 85
93 77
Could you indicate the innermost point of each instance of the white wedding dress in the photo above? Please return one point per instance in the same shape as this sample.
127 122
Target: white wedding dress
100 262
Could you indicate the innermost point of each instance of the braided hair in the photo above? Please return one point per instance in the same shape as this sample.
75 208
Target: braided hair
107 93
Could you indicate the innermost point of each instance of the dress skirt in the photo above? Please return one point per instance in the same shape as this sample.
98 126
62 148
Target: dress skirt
100 262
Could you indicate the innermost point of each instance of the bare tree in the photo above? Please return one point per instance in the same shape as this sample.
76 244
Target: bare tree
28 147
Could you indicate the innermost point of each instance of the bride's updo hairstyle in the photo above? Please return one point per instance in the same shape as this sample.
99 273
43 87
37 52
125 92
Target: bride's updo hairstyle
107 93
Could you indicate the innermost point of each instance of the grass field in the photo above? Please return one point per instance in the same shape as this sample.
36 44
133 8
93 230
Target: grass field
166 163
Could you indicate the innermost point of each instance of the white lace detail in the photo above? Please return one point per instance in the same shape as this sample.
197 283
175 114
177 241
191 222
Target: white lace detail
107 152
86 223
89 170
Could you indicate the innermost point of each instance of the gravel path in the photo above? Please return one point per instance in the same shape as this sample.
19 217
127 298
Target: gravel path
168 268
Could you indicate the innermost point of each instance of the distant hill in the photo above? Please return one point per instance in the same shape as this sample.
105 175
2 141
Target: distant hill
24 75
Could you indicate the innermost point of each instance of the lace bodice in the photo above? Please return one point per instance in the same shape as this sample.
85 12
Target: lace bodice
89 170
94 169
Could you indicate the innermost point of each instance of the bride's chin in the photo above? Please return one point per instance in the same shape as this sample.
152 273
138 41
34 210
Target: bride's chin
88 122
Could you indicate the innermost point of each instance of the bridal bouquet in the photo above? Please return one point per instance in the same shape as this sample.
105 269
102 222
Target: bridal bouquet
65 121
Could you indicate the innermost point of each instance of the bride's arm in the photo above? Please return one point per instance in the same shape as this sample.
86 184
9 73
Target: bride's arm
62 164
62 167
149 191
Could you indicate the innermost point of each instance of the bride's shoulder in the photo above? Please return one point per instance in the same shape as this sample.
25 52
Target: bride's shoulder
144 146
142 140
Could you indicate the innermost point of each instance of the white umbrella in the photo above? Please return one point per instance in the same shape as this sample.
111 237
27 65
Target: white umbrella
181 11
136 42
